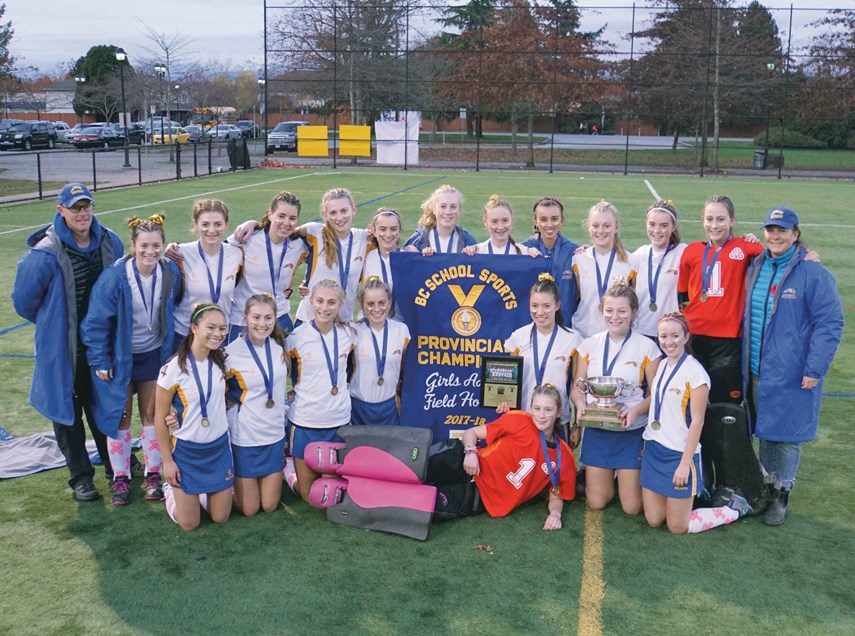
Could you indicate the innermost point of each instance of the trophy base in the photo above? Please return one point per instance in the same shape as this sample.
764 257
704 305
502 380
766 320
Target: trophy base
604 418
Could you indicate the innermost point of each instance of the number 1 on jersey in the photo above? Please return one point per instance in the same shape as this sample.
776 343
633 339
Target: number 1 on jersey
516 478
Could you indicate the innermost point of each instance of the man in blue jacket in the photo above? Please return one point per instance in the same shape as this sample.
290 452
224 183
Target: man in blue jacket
52 288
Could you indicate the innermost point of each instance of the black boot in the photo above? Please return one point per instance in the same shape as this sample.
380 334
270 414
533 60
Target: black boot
777 511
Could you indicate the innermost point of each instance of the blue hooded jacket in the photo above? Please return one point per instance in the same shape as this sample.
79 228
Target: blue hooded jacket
561 268
107 331
801 339
44 294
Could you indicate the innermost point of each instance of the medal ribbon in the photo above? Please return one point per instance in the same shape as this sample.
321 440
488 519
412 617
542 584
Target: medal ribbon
344 272
381 359
439 245
267 377
386 277
215 293
603 285
203 397
275 274
707 270
659 394
149 310
609 366
540 367
653 281
554 474
507 247
331 368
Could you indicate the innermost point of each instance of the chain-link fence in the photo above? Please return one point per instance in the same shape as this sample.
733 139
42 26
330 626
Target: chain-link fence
695 87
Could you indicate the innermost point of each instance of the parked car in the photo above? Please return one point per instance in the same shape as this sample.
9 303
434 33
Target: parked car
248 127
62 130
105 137
284 136
136 133
197 133
225 131
78 128
174 135
28 135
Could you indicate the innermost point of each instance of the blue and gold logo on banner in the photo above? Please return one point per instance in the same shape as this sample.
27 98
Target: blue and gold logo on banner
466 320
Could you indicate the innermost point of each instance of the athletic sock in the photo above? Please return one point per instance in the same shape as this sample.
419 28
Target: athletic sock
289 474
119 450
203 501
703 519
169 500
151 450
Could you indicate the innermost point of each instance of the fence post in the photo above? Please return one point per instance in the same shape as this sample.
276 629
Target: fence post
94 173
177 161
210 170
139 164
195 160
39 172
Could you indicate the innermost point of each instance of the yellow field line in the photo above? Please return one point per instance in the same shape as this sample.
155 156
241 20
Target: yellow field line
593 587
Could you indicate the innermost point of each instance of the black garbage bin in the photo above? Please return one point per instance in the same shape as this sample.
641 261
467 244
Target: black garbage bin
230 151
760 159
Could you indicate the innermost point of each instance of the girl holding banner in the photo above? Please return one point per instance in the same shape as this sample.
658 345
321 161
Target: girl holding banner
438 232
499 220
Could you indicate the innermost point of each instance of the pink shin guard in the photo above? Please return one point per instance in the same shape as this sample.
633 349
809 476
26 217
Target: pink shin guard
323 457
327 492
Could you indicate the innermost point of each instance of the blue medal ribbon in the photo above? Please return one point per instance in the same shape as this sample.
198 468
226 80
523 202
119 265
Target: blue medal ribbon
266 376
540 366
386 277
215 292
608 367
149 310
653 281
490 247
275 274
439 245
332 368
659 394
380 358
204 398
554 474
707 270
602 285
344 272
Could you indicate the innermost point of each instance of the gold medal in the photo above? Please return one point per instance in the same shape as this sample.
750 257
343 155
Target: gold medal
205 422
556 491
334 390
380 381
704 297
652 306
270 404
655 425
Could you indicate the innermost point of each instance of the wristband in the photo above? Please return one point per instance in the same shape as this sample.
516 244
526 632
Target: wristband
470 451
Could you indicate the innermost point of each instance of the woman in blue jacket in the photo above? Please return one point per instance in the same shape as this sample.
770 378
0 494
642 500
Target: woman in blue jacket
791 329
128 337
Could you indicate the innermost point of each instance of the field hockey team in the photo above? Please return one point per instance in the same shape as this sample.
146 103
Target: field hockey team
202 334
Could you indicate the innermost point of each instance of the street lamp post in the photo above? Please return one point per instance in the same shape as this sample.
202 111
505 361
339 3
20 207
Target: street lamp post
160 70
121 57
261 110
80 79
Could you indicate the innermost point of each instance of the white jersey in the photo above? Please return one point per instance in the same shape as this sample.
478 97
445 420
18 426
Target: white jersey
356 245
647 320
251 423
632 360
509 248
257 278
187 400
674 417
195 270
146 314
363 383
377 265
588 318
558 367
314 405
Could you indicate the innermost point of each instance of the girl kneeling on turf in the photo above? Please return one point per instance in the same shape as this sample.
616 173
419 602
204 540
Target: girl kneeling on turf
256 382
671 466
197 457
523 458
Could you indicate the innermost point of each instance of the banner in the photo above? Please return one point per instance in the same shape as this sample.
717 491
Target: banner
458 308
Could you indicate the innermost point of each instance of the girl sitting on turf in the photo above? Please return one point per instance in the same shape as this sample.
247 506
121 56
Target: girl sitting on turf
256 381
499 221
523 458
197 457
671 467
438 231
381 345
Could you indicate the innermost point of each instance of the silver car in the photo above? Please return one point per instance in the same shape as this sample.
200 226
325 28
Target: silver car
225 131
284 136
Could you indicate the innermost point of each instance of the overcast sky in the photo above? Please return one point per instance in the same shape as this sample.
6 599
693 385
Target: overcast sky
48 32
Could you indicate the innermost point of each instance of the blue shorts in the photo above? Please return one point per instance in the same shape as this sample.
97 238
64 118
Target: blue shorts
618 450
252 462
301 436
205 468
177 339
657 472
146 366
374 413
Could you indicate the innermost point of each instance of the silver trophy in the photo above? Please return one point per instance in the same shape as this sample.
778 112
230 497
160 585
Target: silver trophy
606 389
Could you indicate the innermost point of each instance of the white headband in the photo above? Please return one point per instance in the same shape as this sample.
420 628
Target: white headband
666 210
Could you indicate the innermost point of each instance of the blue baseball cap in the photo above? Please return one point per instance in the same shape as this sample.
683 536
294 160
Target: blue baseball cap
71 193
781 217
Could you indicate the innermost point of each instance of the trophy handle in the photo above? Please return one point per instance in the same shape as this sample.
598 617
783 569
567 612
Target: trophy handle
582 385
625 390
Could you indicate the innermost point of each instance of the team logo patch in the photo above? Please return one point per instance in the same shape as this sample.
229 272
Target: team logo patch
776 214
736 254
789 293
